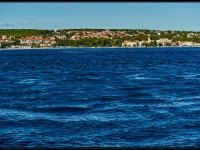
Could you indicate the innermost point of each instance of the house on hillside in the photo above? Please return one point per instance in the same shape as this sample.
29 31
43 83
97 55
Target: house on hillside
31 40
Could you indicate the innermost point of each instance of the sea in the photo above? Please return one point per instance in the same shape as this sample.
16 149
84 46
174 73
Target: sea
100 97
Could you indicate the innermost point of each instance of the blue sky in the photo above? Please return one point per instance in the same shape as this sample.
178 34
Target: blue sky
161 16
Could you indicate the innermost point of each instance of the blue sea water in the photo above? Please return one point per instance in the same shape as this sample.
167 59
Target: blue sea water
100 97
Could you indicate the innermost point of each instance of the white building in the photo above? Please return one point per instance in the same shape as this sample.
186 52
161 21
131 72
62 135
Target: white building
61 37
4 37
45 44
187 43
164 41
31 40
20 47
130 43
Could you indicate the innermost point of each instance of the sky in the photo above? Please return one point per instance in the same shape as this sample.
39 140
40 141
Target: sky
115 15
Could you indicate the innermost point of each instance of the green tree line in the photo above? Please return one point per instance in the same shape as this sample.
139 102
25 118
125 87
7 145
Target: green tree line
90 42
24 32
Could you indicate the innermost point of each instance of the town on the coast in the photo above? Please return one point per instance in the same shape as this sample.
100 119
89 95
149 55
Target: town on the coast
34 38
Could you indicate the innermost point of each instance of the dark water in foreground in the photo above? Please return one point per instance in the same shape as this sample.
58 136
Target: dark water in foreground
100 98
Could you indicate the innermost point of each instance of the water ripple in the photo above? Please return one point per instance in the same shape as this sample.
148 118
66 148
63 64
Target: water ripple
100 98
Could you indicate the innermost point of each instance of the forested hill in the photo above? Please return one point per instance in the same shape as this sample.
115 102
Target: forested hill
24 32
97 37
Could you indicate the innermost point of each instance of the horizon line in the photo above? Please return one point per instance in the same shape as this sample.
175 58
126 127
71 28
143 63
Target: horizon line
102 29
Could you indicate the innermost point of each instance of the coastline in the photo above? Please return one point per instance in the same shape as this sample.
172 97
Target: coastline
47 48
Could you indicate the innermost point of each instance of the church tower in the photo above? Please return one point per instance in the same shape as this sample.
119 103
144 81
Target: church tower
149 39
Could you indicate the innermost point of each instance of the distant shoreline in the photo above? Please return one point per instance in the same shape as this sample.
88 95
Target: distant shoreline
47 48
